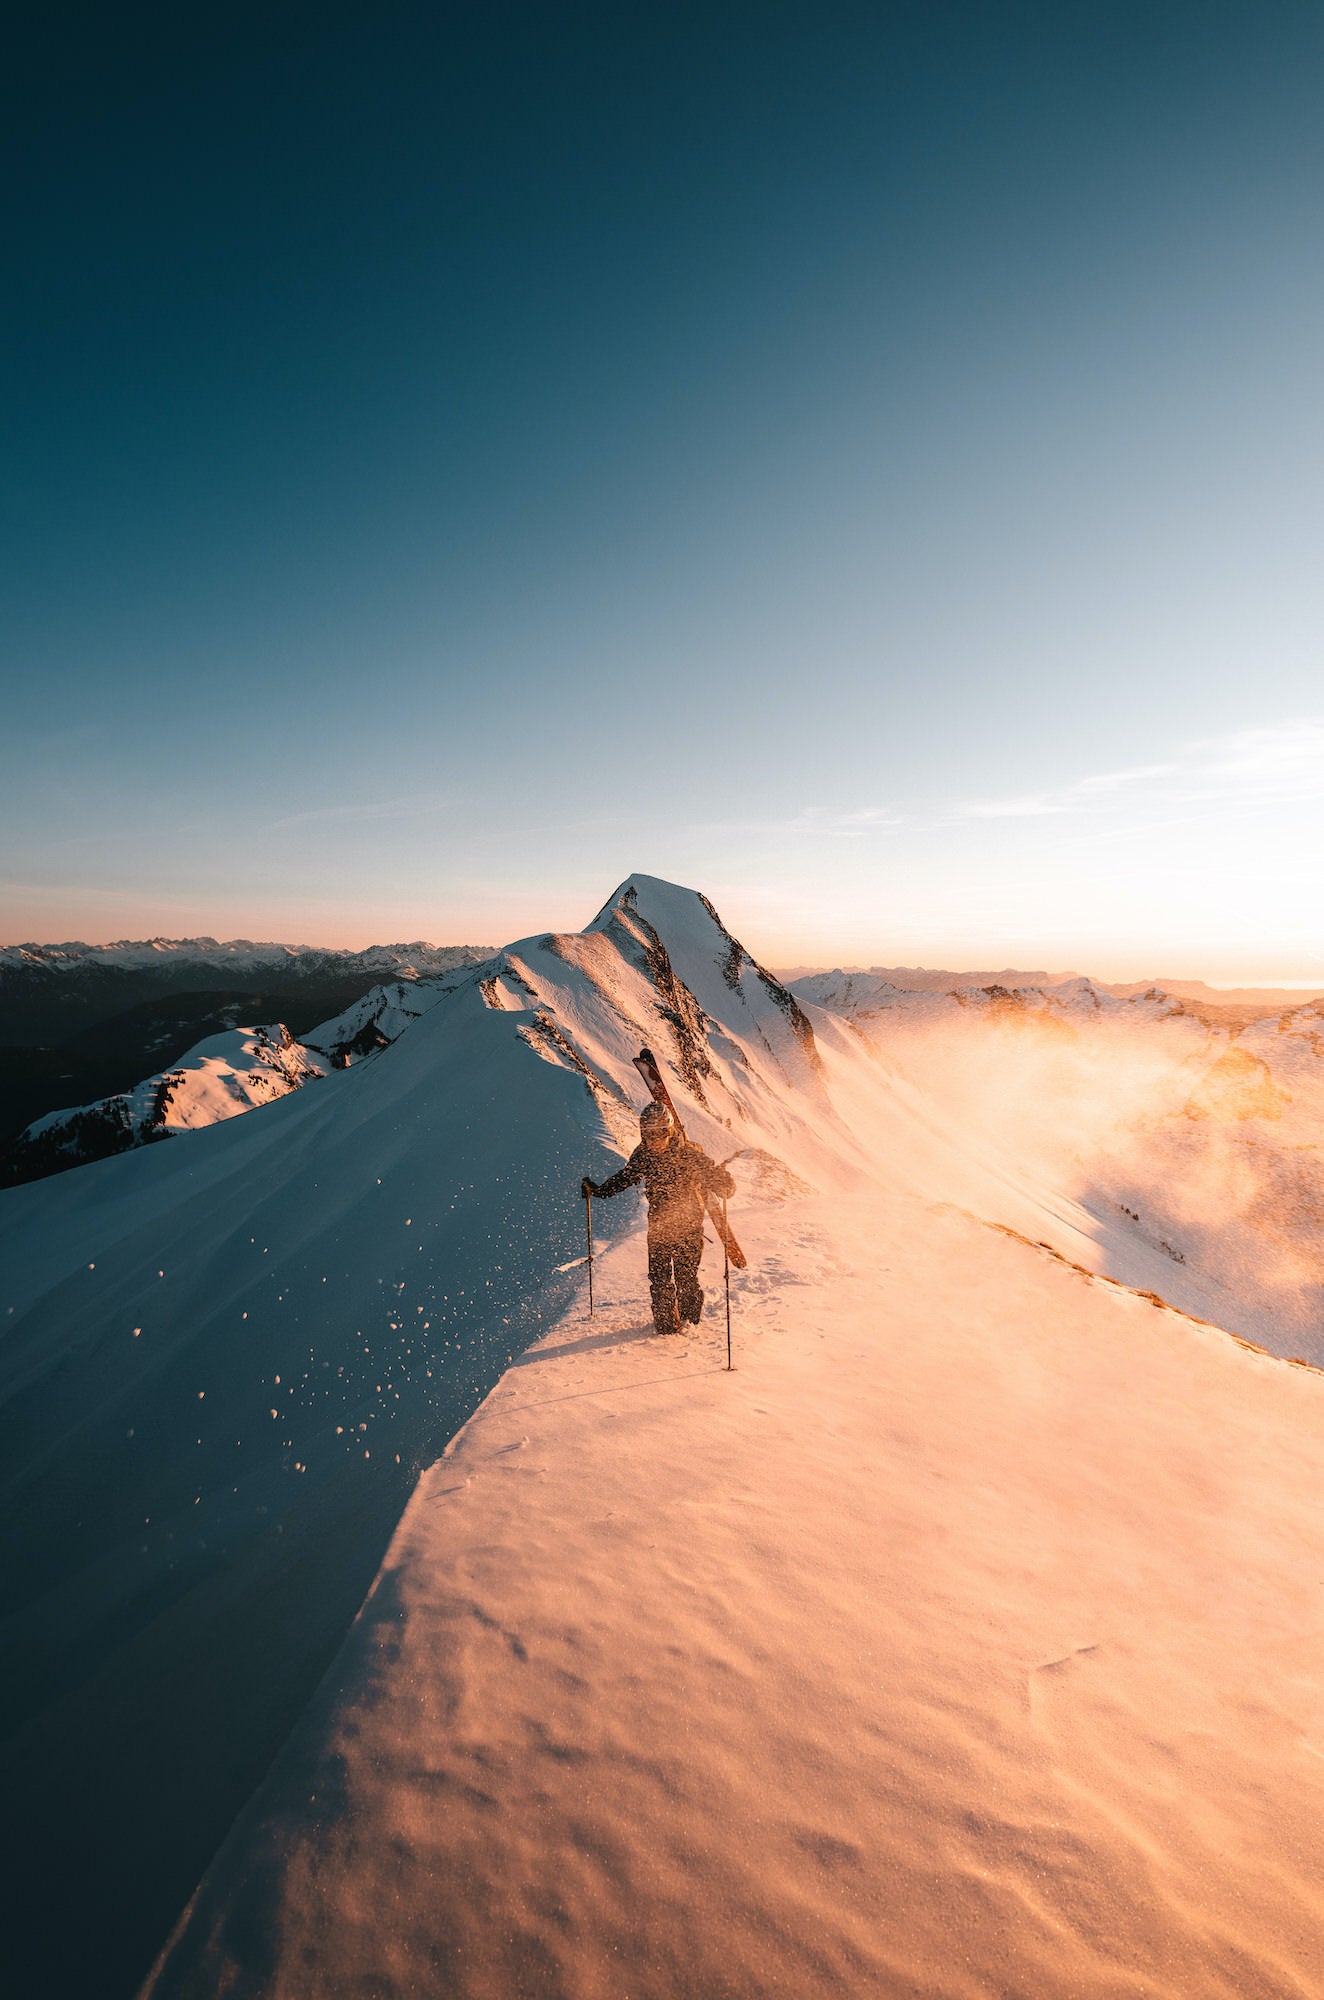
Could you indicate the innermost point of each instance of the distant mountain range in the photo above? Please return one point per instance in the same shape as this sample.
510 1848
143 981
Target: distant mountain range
44 985
80 1023
233 951
921 979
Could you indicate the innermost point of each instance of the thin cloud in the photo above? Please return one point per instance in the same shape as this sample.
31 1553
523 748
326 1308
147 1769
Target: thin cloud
841 825
1284 762
1032 806
403 808
1290 755
819 821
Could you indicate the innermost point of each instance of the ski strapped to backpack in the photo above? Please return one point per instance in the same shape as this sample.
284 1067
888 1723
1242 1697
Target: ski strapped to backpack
646 1064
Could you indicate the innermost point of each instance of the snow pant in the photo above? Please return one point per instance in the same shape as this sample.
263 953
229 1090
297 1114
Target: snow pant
673 1280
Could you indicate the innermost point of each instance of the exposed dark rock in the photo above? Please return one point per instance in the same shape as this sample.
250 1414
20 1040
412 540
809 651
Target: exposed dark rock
96 1133
676 1004
366 1043
737 958
543 1027
794 1013
736 955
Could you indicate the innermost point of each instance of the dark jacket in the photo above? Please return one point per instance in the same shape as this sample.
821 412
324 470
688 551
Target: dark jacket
677 1181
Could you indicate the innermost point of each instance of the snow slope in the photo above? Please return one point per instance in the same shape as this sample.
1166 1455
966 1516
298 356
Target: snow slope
962 1643
758 1649
227 1358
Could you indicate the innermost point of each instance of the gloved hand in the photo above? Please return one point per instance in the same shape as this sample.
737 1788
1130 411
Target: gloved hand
587 1187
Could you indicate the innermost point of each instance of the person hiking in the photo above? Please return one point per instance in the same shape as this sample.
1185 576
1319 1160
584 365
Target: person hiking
677 1177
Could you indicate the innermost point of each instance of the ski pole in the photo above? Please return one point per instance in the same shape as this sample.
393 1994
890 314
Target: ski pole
726 1275
588 1224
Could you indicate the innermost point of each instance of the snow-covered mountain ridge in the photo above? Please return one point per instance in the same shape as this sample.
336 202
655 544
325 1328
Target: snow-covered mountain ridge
1224 1000
226 1359
249 1341
79 1023
220 1077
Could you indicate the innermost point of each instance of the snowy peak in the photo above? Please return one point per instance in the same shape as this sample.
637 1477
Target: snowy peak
704 977
376 1020
587 1001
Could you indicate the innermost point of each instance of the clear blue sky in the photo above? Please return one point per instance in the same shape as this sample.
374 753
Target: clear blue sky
865 461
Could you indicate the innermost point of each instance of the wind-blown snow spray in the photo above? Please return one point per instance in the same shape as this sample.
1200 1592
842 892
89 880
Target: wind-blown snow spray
1187 1157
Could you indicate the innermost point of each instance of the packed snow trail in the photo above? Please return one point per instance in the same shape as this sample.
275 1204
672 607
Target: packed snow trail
963 1642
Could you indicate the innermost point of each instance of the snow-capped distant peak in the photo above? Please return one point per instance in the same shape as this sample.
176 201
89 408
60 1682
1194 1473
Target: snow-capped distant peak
416 960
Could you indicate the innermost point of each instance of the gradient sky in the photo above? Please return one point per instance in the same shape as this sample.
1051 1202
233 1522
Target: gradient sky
864 461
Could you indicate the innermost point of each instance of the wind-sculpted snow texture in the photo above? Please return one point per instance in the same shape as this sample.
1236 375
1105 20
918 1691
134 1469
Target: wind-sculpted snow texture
226 1359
